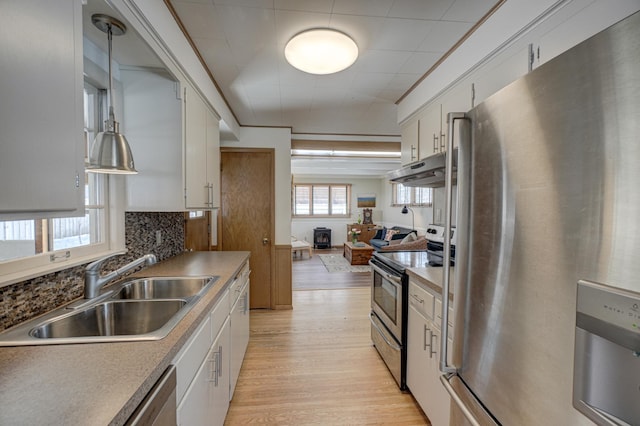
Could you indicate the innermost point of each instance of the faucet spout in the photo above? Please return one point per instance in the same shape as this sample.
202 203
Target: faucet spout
93 281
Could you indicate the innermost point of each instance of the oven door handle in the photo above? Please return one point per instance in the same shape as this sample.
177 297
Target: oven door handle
390 277
393 345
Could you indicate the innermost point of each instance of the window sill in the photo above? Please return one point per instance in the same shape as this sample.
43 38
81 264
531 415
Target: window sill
38 271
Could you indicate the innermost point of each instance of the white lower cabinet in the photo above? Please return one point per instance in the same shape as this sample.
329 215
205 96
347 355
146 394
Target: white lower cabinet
208 365
207 400
423 356
239 332
202 368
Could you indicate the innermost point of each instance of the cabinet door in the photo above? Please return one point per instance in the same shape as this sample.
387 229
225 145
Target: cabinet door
418 361
213 159
409 142
207 400
202 154
437 405
197 189
153 125
220 385
430 132
239 335
423 374
41 107
196 406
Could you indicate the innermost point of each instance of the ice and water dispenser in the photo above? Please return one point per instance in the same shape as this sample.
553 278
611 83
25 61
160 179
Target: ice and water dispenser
606 375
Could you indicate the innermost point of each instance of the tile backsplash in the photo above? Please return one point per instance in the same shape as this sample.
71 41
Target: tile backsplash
24 300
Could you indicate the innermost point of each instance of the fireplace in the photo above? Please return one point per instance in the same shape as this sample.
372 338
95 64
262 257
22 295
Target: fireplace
321 237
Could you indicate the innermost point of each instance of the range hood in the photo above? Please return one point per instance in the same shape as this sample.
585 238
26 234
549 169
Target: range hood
428 172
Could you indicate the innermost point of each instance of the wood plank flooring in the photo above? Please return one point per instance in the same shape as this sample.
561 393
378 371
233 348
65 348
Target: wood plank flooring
310 273
315 365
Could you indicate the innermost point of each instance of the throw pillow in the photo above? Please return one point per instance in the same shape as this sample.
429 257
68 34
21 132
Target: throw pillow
390 234
411 236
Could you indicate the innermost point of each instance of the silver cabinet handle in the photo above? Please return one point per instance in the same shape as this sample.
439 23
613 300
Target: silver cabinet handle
213 373
424 338
219 369
430 344
417 299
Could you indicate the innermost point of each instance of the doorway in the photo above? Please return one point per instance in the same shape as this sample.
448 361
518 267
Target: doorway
247 214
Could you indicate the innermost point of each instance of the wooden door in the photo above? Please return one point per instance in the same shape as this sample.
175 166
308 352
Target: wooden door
247 214
196 230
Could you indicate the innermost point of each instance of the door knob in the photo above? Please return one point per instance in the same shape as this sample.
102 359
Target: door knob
265 241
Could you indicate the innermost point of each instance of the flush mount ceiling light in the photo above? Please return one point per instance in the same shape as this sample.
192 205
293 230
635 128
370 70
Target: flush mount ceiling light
321 51
110 152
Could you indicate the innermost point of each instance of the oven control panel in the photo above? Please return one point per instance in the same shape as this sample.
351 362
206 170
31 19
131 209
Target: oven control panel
436 233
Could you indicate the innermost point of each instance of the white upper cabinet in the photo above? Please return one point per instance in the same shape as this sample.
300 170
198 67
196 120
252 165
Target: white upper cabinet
153 127
175 142
410 141
202 153
41 108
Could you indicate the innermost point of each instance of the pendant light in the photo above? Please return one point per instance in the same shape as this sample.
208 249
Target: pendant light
110 152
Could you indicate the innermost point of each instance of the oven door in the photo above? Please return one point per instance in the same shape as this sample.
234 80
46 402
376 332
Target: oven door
386 299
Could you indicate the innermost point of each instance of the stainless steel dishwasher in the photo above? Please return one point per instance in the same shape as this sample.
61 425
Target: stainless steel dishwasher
158 408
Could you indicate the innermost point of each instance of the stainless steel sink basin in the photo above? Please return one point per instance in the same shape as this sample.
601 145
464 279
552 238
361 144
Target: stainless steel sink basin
133 310
116 318
162 288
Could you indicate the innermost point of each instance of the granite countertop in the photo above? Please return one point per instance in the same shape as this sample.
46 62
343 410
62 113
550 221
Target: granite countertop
103 383
432 277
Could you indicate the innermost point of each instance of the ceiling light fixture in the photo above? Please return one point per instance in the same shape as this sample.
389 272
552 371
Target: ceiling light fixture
321 51
110 152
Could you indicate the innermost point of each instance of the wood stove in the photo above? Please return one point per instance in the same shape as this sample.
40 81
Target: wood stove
321 238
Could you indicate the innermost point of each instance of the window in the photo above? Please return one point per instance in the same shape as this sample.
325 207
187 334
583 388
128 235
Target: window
24 244
322 200
410 196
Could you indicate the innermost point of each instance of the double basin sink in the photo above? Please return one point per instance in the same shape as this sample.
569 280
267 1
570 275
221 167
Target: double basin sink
134 310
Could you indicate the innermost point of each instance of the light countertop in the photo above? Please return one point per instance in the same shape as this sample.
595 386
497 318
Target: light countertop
103 383
432 277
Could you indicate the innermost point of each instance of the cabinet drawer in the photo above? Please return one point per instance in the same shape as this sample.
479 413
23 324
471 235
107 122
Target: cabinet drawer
219 314
235 288
438 313
421 300
191 356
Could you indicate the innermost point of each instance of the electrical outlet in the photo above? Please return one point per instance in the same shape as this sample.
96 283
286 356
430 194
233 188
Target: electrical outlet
158 238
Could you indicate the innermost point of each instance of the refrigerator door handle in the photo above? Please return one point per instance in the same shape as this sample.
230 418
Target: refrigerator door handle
446 269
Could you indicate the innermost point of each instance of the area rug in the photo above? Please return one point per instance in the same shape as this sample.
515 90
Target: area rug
337 263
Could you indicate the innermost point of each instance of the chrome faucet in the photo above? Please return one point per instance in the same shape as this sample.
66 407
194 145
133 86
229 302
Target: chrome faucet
93 282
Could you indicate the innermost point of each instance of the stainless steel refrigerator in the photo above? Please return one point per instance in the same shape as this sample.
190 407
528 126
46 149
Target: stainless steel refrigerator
547 268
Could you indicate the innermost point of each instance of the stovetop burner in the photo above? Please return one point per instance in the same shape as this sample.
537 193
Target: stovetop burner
400 260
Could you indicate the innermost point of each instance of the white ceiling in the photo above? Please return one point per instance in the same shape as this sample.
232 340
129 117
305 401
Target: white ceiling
242 43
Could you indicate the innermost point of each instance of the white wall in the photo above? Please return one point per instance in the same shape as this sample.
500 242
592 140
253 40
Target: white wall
280 140
302 228
393 216
383 214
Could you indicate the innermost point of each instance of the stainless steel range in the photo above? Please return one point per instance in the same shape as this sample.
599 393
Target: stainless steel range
435 244
389 304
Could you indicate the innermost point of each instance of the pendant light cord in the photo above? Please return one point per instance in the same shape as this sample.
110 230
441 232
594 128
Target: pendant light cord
112 118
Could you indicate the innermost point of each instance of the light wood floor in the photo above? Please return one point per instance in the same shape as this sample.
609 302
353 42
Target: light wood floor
315 365
310 273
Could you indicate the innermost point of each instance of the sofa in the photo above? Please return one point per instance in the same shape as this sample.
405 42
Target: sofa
378 241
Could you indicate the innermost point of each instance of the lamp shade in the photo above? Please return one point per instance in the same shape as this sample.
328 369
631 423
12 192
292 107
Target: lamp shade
110 153
321 51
